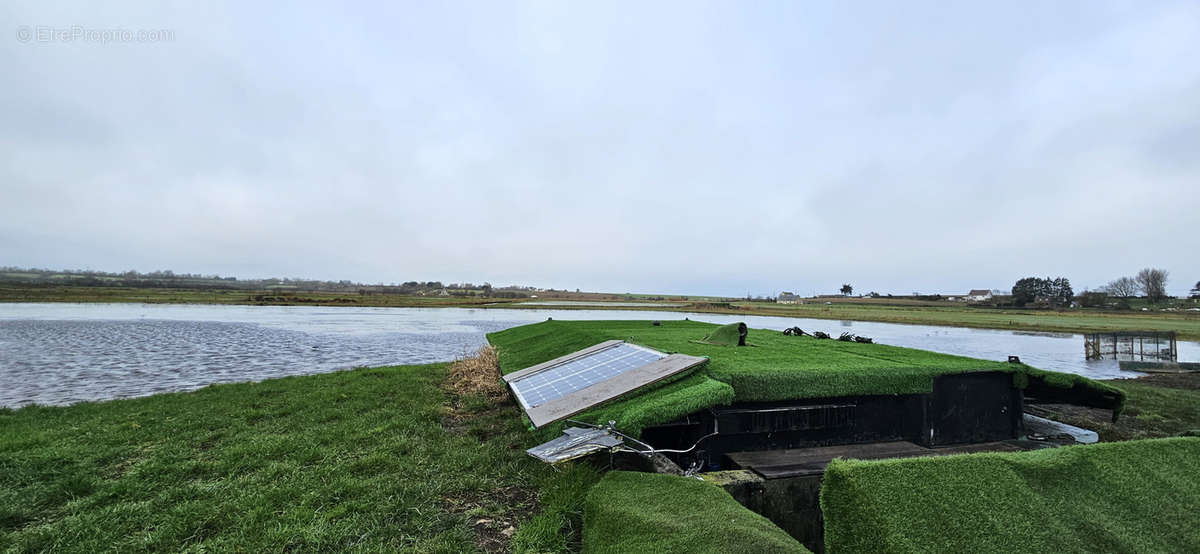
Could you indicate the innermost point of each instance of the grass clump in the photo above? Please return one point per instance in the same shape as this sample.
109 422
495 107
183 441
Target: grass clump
647 512
478 374
1135 496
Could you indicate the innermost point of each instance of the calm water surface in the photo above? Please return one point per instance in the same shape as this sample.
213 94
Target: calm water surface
65 353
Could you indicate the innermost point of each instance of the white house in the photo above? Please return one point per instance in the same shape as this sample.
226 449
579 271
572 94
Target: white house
787 298
979 295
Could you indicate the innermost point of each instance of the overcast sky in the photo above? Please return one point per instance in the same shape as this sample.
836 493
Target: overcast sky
679 148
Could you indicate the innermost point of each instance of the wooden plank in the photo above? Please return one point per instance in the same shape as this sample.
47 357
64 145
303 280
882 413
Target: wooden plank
560 360
604 391
808 461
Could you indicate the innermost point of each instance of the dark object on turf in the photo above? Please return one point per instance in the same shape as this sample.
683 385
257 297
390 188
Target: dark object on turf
821 335
846 337
864 340
656 323
794 332
1014 359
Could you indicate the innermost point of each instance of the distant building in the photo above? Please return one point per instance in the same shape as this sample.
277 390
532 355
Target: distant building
787 298
979 295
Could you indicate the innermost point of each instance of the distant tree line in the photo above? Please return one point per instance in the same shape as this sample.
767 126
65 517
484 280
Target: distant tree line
1054 292
1149 282
166 278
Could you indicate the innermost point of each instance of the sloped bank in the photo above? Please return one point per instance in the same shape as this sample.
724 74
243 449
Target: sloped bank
1135 496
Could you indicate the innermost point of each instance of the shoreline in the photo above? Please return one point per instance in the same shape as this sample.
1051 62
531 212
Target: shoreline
1186 325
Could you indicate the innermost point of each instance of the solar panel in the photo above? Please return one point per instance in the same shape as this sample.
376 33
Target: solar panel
576 374
570 384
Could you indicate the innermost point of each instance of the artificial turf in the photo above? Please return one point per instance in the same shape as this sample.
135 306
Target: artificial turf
650 512
725 335
1135 496
776 367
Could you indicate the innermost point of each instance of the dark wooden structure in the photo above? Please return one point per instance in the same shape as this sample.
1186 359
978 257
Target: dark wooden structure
962 409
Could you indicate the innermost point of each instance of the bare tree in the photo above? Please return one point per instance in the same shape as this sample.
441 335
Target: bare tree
1124 287
1153 282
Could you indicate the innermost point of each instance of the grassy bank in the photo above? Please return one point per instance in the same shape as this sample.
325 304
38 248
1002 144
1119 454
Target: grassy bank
374 459
1186 324
1137 496
1163 405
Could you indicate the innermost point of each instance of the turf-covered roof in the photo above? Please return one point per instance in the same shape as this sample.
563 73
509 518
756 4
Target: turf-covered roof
1136 496
649 512
776 367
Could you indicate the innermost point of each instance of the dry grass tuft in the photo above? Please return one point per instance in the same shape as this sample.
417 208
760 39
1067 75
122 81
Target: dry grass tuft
478 373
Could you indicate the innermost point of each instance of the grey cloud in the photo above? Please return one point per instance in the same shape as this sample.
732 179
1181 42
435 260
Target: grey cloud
674 147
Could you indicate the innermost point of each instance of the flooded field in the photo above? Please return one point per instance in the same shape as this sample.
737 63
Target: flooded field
66 353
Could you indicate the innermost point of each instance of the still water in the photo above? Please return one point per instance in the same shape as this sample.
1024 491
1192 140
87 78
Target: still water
66 353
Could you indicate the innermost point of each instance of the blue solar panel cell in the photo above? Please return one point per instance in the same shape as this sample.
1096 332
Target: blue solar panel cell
563 379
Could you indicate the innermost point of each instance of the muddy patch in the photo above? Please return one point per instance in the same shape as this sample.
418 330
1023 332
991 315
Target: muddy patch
493 515
1186 381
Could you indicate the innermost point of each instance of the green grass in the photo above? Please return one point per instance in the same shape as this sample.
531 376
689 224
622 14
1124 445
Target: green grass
1135 496
375 459
365 460
646 512
777 367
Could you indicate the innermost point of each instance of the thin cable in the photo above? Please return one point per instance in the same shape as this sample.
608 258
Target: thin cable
649 449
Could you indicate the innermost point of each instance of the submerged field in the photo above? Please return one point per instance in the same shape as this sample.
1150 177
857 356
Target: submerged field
1185 323
148 295
375 459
